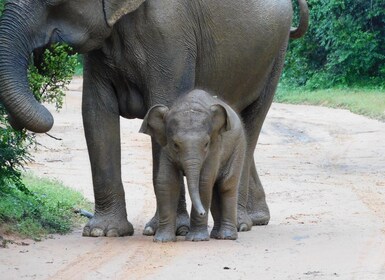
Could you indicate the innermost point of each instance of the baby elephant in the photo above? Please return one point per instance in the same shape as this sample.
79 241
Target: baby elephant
203 139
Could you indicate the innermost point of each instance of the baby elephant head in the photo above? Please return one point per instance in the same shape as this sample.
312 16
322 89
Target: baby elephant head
188 134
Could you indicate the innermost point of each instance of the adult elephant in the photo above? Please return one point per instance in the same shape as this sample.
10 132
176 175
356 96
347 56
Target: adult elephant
141 53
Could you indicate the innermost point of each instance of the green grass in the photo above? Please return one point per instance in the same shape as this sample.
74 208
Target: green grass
48 210
79 70
367 102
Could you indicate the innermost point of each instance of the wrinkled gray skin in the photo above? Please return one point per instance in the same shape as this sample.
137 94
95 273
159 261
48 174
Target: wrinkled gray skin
141 53
203 138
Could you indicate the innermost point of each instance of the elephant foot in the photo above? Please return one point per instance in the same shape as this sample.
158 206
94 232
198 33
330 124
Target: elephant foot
256 204
165 236
108 226
182 225
225 232
260 218
200 234
259 212
151 227
244 222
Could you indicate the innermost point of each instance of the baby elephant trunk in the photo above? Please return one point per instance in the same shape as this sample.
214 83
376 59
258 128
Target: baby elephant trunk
192 171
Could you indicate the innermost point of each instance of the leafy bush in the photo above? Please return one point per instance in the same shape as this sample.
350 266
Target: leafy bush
343 46
58 68
13 154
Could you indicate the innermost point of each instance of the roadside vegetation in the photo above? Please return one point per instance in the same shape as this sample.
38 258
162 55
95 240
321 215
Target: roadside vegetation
48 207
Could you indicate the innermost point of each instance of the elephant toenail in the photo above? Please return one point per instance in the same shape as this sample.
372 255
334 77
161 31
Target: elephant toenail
112 233
148 231
86 231
243 227
97 232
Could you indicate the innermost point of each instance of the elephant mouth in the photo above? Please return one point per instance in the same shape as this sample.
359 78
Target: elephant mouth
38 53
55 37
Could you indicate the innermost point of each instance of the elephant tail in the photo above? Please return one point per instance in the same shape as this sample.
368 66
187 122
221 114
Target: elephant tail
298 32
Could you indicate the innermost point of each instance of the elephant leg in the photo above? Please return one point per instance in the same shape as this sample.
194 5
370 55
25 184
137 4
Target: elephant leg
101 124
252 200
244 222
215 212
198 224
182 218
256 204
228 197
167 195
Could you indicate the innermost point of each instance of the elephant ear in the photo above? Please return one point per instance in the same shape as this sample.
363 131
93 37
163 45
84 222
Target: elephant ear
115 9
154 124
221 118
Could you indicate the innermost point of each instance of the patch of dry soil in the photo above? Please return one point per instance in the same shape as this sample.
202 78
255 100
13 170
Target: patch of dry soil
324 176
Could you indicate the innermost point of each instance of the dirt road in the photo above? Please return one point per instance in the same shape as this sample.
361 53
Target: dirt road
324 175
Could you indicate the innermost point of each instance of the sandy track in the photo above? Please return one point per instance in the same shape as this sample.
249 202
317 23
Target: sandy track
324 175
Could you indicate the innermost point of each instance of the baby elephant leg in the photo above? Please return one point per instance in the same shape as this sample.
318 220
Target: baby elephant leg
227 205
198 224
216 212
167 194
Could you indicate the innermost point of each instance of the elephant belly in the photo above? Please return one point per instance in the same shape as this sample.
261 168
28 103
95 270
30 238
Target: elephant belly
130 100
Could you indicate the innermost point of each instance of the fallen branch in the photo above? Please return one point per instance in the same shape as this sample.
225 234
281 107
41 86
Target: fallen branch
84 213
53 137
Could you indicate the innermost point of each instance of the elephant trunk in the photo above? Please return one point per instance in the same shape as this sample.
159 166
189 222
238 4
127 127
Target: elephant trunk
16 46
192 169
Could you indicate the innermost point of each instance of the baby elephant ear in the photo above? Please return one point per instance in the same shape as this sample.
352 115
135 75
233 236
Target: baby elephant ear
115 9
221 118
154 124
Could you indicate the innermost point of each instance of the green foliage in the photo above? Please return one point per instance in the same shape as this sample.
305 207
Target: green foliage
49 210
13 154
344 46
49 81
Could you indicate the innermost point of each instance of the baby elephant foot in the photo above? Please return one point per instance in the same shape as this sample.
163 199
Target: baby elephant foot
108 226
165 236
225 232
182 225
244 221
200 234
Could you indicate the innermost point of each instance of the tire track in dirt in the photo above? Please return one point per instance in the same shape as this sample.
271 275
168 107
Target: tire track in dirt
354 159
118 258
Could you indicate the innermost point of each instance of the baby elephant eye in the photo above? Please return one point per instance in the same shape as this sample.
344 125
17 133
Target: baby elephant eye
175 146
207 145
